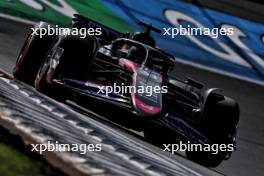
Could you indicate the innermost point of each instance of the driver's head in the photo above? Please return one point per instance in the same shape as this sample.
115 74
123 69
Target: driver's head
120 49
135 54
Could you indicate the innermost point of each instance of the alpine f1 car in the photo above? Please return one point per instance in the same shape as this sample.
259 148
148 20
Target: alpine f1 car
66 65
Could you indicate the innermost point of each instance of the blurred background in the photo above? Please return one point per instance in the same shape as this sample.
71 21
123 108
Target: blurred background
234 63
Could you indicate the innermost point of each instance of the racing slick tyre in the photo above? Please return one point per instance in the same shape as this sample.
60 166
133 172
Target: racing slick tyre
219 123
32 55
77 55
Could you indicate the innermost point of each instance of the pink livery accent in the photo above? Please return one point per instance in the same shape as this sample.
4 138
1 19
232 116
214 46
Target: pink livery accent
127 64
151 110
141 107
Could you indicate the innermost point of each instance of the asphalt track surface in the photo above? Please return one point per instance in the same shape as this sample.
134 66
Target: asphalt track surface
247 160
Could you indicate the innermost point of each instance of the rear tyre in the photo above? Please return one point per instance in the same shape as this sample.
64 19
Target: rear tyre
220 120
32 55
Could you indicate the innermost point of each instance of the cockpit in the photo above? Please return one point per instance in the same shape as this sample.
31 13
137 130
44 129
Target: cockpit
130 50
141 54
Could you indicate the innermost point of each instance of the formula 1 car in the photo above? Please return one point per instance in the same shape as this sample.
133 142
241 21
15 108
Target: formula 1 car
67 66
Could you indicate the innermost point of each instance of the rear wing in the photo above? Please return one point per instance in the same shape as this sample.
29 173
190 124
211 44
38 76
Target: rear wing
108 34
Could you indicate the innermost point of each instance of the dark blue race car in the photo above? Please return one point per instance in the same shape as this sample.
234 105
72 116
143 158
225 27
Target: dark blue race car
82 69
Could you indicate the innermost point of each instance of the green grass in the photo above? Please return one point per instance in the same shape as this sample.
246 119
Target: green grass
15 163
94 9
17 159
